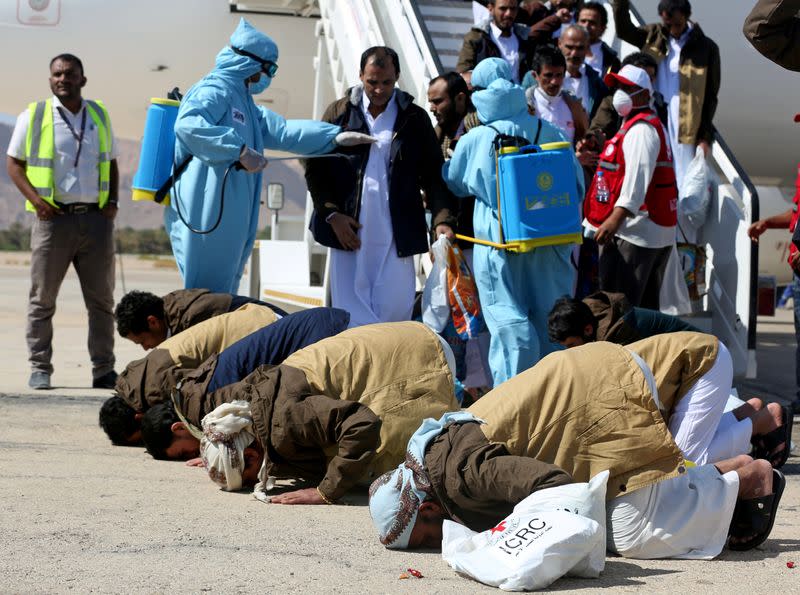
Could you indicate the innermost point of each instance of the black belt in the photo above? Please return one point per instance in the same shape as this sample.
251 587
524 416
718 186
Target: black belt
78 208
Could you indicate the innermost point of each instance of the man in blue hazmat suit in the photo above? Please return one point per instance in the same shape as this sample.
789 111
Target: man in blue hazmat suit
219 124
517 290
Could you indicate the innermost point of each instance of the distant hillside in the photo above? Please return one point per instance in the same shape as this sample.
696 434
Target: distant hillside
145 214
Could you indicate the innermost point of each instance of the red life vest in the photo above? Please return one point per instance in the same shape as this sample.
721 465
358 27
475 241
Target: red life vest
661 200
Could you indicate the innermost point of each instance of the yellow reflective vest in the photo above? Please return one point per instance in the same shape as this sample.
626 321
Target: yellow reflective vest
40 147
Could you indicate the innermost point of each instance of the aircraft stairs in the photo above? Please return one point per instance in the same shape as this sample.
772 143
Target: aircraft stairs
427 35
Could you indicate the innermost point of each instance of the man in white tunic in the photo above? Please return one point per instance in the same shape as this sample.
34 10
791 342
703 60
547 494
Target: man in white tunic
368 207
688 74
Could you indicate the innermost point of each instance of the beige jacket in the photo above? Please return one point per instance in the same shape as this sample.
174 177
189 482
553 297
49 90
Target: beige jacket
677 361
397 369
148 381
563 412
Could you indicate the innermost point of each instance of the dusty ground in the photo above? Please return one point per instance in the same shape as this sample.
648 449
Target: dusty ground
80 515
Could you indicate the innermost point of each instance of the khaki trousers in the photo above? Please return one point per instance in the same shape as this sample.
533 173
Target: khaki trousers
85 241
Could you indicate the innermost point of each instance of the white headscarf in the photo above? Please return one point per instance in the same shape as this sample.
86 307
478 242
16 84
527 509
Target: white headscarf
227 431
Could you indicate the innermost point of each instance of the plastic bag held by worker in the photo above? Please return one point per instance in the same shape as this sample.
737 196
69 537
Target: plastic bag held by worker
694 195
435 299
551 533
463 295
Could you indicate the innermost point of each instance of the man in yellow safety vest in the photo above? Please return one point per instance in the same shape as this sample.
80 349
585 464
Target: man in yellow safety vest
62 159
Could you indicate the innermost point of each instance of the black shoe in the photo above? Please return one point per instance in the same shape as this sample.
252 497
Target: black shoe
108 380
795 405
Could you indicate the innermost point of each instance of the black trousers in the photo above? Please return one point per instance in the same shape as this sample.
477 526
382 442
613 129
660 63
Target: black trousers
635 271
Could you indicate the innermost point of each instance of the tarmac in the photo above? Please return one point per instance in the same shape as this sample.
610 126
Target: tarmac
80 515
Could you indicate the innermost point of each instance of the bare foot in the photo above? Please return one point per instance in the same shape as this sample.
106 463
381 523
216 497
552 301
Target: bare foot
748 409
768 419
755 480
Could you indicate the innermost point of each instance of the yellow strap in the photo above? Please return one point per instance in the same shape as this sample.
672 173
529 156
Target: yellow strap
482 242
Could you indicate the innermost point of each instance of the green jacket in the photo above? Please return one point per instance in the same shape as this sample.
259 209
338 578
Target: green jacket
773 27
699 71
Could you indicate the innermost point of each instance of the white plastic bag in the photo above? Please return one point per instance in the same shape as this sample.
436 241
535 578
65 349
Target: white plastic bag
673 296
435 301
584 499
549 534
694 196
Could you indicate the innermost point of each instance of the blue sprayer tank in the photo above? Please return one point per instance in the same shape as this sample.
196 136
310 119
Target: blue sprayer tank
538 200
158 148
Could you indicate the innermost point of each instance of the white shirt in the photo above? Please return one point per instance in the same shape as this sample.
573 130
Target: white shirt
641 146
596 58
668 81
373 283
72 184
556 111
509 49
579 87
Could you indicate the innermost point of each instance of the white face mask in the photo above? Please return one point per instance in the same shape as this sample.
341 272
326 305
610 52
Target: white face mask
623 102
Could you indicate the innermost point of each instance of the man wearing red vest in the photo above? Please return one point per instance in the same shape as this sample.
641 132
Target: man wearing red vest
782 221
633 214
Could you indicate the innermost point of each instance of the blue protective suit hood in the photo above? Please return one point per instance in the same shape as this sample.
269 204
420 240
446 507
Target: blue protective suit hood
498 98
489 70
248 38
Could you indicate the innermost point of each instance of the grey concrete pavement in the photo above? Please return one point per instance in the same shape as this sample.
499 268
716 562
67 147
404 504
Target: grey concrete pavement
73 371
81 515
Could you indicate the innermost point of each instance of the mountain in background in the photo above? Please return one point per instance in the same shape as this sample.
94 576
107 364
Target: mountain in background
146 214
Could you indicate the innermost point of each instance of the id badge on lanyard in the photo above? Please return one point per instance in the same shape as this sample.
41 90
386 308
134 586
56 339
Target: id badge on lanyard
75 135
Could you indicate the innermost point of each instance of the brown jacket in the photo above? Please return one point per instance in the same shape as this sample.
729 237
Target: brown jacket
699 71
563 412
773 27
308 435
186 307
608 309
398 370
478 45
579 116
149 381
479 483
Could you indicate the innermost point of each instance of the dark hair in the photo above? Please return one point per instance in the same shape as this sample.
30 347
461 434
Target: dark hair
640 60
71 58
455 83
157 429
548 56
134 308
569 318
380 53
598 8
118 420
670 6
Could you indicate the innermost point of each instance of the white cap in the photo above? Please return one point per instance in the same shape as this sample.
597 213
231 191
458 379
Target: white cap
629 75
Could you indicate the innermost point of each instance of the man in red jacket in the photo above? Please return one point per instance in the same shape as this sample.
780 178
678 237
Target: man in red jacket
788 219
631 207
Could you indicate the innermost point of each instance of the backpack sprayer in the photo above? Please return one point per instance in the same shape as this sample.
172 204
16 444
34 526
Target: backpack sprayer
537 195
158 172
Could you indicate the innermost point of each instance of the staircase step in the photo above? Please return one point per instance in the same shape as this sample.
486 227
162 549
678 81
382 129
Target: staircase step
455 10
447 28
446 43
